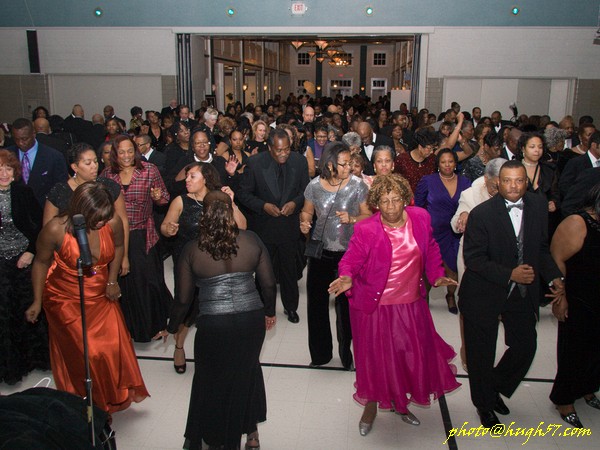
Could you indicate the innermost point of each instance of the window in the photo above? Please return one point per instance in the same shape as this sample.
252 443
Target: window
337 84
379 83
301 83
303 59
379 59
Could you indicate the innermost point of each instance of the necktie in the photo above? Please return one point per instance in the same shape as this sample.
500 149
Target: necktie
516 205
25 168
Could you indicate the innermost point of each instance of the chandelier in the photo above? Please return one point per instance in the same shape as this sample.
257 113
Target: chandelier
323 50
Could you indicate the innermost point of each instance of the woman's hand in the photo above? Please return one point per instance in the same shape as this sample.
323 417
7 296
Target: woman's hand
25 260
305 227
125 267
113 291
445 281
162 334
551 206
231 165
461 223
560 309
156 194
172 229
32 313
228 191
343 216
270 322
340 285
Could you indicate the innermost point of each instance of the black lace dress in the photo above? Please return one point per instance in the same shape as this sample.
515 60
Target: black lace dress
228 392
23 345
578 352
188 231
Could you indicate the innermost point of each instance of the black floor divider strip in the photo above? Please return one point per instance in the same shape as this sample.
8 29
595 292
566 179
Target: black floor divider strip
452 445
265 364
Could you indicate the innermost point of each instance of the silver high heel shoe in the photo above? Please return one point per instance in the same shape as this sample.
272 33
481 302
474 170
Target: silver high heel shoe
364 428
409 418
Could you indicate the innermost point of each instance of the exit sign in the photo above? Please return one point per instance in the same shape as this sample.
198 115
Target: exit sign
299 8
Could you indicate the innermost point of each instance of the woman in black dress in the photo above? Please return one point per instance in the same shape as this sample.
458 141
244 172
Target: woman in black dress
84 166
23 346
181 222
576 249
228 394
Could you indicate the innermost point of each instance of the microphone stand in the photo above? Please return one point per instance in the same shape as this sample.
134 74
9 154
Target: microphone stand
88 378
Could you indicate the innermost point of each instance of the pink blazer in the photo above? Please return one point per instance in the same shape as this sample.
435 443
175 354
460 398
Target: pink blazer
369 258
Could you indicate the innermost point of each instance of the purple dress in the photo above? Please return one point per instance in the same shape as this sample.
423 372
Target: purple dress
399 356
432 195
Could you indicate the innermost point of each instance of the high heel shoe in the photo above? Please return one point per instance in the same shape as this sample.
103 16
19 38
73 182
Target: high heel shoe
180 369
452 308
409 418
370 412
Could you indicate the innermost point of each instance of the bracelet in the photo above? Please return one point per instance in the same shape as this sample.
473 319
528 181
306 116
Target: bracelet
111 283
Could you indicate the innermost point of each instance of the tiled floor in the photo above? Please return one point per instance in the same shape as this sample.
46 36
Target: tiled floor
313 408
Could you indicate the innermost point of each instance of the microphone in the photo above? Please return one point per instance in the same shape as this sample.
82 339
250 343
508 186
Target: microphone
84 246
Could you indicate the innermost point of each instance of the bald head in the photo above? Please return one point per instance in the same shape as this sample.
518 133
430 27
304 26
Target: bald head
308 115
41 125
365 132
98 119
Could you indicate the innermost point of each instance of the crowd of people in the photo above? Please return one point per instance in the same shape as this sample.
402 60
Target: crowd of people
380 205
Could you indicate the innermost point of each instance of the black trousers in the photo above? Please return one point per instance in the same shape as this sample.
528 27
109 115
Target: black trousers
481 333
321 272
284 260
578 355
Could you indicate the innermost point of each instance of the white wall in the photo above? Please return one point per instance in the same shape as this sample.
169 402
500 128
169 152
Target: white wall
513 53
13 48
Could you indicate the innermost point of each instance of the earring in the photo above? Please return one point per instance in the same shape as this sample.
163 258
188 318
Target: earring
75 175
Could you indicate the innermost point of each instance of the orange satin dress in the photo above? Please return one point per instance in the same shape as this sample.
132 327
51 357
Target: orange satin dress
116 376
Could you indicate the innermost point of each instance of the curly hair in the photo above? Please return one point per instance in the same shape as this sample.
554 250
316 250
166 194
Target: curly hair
11 160
384 184
217 229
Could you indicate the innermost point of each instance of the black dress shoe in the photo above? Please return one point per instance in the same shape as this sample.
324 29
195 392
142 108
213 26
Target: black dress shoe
500 407
488 418
292 316
594 402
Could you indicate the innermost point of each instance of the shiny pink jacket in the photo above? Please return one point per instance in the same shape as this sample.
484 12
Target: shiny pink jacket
369 258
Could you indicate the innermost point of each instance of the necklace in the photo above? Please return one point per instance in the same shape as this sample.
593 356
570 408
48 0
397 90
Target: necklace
579 150
525 163
445 178
334 185
196 200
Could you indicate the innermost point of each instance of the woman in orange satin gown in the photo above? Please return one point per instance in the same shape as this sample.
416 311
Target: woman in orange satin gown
117 380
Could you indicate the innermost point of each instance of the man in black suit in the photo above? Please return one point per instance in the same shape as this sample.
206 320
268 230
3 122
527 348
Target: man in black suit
577 165
506 252
509 149
576 194
109 113
171 108
43 134
370 141
149 154
272 189
41 166
75 123
184 116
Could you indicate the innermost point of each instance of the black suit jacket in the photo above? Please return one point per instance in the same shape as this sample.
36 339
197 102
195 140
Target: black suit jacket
259 186
380 139
55 143
78 126
159 160
490 253
48 169
573 168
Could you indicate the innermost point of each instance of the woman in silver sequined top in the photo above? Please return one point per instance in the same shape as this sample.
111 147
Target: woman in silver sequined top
23 347
338 200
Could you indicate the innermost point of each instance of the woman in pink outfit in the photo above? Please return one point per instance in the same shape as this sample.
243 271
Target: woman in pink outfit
399 357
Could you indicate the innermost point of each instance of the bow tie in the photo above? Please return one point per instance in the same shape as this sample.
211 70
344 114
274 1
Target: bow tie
515 205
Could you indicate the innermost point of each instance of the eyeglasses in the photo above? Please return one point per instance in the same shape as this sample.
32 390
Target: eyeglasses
201 144
343 165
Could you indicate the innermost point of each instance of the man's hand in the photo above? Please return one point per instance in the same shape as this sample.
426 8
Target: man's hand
271 210
523 274
288 209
